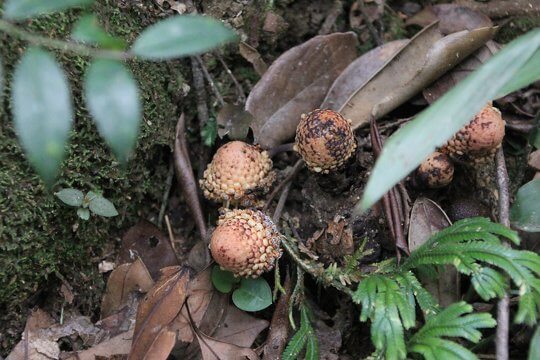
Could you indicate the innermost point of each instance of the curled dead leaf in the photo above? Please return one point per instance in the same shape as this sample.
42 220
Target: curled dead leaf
252 55
297 83
424 59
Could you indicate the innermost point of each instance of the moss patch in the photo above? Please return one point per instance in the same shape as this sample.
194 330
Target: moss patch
39 236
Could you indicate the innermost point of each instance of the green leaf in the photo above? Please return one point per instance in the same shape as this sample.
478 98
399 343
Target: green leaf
83 213
42 111
71 197
312 346
529 73
103 207
410 145
525 212
112 97
87 30
295 345
489 283
451 322
252 295
24 9
182 35
209 133
534 349
223 280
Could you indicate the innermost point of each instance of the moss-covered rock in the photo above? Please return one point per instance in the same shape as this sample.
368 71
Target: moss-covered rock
42 240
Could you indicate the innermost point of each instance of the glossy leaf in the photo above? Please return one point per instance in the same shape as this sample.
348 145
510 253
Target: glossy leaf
71 197
223 280
42 111
180 36
253 295
525 212
112 97
24 9
88 30
409 146
83 213
103 207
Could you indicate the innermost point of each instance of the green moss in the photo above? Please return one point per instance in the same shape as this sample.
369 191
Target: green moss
516 27
39 236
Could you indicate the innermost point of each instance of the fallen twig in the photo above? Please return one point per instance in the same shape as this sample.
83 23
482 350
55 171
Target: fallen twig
165 199
374 34
186 178
239 87
210 81
280 326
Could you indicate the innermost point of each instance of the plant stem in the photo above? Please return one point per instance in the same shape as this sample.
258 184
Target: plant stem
64 46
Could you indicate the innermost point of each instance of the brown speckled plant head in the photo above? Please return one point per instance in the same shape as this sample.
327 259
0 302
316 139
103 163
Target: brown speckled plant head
481 137
239 172
325 140
436 171
245 242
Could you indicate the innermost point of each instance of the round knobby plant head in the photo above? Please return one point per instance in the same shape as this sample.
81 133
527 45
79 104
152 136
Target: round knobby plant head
238 172
436 171
325 140
245 242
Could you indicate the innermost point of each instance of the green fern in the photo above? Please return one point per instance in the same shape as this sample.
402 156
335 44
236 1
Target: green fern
451 322
473 246
305 337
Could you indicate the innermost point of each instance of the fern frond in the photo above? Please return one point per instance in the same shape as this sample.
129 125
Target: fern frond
410 284
450 322
489 283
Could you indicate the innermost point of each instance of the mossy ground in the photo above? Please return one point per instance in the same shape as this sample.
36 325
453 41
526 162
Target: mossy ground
41 239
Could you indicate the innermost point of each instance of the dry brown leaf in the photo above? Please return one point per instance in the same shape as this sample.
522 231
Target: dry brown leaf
147 242
358 72
212 349
332 243
158 309
234 121
460 72
424 59
116 346
297 83
123 280
252 55
452 18
239 328
427 218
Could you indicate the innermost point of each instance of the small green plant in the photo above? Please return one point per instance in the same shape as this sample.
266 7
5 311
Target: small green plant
41 96
305 337
248 295
91 202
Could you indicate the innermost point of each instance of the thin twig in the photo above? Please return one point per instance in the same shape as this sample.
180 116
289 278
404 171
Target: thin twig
172 238
210 81
374 34
281 203
503 312
239 87
279 327
65 46
165 198
292 173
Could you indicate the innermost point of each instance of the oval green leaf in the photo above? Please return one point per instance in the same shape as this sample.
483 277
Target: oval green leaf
223 280
24 9
42 111
181 35
112 97
410 145
103 207
88 30
83 213
525 212
253 295
71 197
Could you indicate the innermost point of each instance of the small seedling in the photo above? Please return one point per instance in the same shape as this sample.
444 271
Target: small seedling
250 295
91 202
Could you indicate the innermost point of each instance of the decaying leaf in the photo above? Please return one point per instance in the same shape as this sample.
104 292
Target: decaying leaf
297 83
234 121
239 328
162 304
147 242
425 58
332 243
252 55
124 279
460 72
212 349
452 18
427 218
112 348
358 72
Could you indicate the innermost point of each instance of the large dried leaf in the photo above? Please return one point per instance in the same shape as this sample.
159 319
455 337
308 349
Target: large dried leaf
112 348
239 328
123 280
159 308
213 349
460 72
424 59
358 72
427 218
296 83
452 18
147 242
